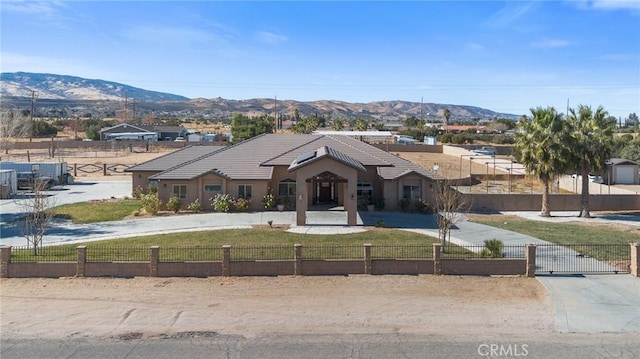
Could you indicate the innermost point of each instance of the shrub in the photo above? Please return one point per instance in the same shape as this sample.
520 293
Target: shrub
269 201
404 204
241 204
495 247
138 192
151 203
221 202
174 204
422 206
195 206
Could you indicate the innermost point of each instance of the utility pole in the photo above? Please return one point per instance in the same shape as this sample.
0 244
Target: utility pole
275 114
133 116
33 106
125 106
421 106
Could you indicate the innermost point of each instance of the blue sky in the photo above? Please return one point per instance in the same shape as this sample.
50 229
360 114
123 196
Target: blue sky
507 56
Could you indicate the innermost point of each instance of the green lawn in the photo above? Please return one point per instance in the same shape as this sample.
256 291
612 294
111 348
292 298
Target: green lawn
246 244
562 233
90 212
603 242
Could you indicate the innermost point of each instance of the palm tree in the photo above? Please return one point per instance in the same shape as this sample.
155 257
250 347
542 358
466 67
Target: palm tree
337 125
591 144
541 148
446 115
362 124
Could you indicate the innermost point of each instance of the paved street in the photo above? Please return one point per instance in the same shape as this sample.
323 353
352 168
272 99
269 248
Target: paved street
210 345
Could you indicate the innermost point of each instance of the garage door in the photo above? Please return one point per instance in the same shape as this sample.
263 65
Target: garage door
625 175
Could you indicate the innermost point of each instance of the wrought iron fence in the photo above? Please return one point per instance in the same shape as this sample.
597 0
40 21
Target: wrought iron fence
481 251
402 251
118 254
26 254
274 252
333 252
583 258
189 254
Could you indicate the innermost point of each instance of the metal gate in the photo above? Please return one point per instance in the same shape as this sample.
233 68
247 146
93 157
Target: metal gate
582 258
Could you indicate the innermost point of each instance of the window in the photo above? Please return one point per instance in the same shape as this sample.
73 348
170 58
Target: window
180 190
213 188
153 184
365 190
244 191
411 192
287 188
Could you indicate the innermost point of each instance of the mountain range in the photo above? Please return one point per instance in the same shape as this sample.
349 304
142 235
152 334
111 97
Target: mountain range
71 92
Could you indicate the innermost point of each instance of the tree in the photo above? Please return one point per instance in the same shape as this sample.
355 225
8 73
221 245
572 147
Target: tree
13 125
413 121
591 144
38 209
632 120
244 128
361 124
450 205
541 148
447 115
337 125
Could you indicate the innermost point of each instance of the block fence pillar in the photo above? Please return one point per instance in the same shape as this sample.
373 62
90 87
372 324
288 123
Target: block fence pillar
5 259
437 264
367 258
297 267
155 258
530 255
81 262
635 260
226 260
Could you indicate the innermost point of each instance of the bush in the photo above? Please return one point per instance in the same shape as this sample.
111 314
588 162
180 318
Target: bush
241 204
404 204
495 247
174 204
422 206
195 206
151 202
269 201
138 192
221 202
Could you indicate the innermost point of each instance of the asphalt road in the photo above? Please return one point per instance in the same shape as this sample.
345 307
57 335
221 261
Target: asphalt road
211 345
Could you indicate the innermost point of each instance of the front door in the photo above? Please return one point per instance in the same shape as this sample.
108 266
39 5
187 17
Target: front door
325 192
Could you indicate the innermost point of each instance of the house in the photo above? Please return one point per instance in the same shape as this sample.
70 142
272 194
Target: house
306 170
622 171
126 131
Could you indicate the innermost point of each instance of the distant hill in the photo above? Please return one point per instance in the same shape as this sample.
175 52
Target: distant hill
63 87
76 95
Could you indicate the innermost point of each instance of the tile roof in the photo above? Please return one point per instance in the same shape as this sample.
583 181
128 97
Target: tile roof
325 152
175 158
255 158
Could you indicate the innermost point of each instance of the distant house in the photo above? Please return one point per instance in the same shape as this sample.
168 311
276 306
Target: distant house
304 170
622 171
126 131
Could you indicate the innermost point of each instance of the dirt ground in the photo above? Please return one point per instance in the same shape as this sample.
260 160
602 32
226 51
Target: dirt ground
254 306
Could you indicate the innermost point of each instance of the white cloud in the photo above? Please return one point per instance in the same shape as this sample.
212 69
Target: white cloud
509 14
551 43
616 4
475 47
270 38
12 62
169 34
42 12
